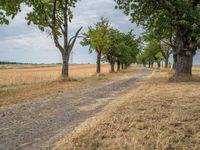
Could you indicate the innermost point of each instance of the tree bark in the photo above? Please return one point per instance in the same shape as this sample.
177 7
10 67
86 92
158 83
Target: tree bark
186 47
175 61
65 67
98 69
118 65
184 65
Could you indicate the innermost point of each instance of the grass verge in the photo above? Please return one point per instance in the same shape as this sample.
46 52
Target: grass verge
159 115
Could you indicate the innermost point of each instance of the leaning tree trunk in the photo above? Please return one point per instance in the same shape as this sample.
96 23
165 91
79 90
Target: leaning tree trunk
98 69
186 47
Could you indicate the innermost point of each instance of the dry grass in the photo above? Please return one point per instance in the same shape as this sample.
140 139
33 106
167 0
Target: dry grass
159 115
21 92
19 83
26 74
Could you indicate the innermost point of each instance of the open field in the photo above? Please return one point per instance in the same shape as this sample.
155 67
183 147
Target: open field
26 74
21 82
159 115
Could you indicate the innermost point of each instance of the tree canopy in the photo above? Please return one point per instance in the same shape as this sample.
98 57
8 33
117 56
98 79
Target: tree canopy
111 43
182 18
9 8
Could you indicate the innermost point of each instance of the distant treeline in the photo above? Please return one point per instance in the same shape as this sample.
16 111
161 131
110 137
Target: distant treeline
6 62
19 63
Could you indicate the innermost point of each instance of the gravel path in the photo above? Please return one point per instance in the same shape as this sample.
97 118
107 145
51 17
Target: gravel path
38 124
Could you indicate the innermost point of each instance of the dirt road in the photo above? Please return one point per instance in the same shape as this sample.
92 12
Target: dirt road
38 124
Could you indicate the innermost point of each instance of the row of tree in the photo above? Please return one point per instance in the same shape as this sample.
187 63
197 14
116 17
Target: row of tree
111 45
154 51
54 16
175 21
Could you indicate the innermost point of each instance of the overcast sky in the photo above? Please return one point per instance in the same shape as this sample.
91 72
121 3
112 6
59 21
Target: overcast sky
22 43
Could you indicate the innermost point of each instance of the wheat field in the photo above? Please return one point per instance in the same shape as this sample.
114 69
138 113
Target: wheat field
27 74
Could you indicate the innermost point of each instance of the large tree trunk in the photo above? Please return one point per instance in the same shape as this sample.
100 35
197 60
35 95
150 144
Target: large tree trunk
186 47
118 65
98 69
184 65
65 67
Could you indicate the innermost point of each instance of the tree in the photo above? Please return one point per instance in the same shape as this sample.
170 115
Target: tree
158 58
111 53
151 54
166 51
182 17
55 17
126 48
166 40
9 8
97 38
141 59
130 48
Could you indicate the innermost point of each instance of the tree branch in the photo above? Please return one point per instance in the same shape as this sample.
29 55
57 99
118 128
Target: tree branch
55 36
66 17
73 38
72 42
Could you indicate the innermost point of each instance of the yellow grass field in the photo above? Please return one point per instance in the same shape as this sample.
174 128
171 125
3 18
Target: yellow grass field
19 83
26 74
